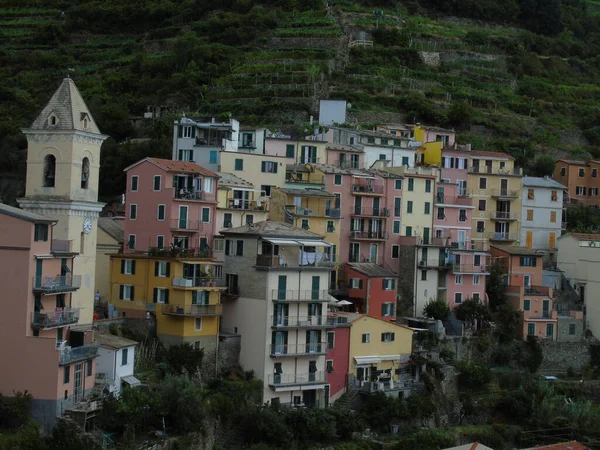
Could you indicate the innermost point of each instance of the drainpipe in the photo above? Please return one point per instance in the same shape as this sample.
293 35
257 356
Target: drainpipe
415 258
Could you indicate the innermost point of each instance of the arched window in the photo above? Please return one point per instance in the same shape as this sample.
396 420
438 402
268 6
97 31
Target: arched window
49 170
52 120
85 173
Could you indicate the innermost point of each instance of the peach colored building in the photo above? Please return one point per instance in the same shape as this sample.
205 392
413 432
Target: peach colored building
581 178
45 353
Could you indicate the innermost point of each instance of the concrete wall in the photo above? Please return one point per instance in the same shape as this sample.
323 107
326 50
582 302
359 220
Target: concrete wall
541 226
104 246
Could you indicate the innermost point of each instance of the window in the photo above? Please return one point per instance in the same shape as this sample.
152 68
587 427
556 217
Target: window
397 206
530 194
89 368
366 338
477 260
483 183
186 155
85 173
526 305
40 232
266 189
218 245
572 329
161 295
156 183
356 283
370 140
161 212
187 132
351 140
126 292
162 269
527 261
458 279
552 216
160 241
409 207
475 280
408 231
128 266
208 184
124 356
476 296
66 374
423 275
395 251
388 337
594 173
389 284
330 226
198 324
305 225
382 156
580 190
134 183
239 164
289 151
427 185
212 158
396 227
384 142
480 226
481 206
337 179
205 215
411 184
49 170
329 365
398 184
531 329
581 173
530 214
218 271
131 242
239 248
458 297
330 340
269 167
132 212
427 208
563 171
502 164
462 215
554 196
387 309
594 191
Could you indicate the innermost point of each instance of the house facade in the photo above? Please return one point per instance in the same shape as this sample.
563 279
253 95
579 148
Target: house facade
264 172
239 202
110 241
338 356
371 288
115 363
581 179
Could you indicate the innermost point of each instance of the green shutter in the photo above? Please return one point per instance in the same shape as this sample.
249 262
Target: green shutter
122 266
167 296
133 267
205 215
179 131
132 292
168 269
156 264
193 132
155 295
121 289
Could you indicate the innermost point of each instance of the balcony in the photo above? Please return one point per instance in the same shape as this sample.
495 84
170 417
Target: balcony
295 260
505 193
55 319
298 321
186 225
474 246
337 321
466 269
537 291
488 170
365 189
369 235
502 236
433 242
193 282
371 212
61 246
301 211
296 296
70 355
177 252
280 350
504 216
296 379
434 264
347 164
192 310
458 201
250 205
56 285
185 194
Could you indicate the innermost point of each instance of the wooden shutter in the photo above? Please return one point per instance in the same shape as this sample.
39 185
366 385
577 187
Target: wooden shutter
193 132
263 166
121 289
360 283
275 166
132 292
166 296
382 337
393 336
122 266
133 267
155 295
383 308
156 266
168 269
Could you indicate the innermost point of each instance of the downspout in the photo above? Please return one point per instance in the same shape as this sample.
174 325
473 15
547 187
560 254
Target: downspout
115 372
416 282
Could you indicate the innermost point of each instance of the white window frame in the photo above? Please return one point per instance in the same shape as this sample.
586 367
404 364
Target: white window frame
341 179
388 336
388 309
137 183
136 211
327 362
461 298
458 279
159 183
218 271
355 283
162 269
218 244
208 184
392 254
388 283
127 292
158 239
365 338
196 321
161 295
158 211
186 132
476 280
127 266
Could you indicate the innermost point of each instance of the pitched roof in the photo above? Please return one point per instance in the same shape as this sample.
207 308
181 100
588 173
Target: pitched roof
267 229
112 227
542 182
481 154
168 165
112 341
233 180
68 106
327 168
572 161
471 446
24 215
571 445
585 236
353 317
371 270
307 191
517 251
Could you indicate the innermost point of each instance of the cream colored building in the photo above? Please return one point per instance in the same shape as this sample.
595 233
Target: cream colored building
110 241
262 171
63 162
239 202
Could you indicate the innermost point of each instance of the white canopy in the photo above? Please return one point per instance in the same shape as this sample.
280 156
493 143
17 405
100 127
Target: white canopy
365 360
344 303
297 243
315 243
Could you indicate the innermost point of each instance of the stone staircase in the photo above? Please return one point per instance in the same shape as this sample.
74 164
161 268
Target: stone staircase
345 401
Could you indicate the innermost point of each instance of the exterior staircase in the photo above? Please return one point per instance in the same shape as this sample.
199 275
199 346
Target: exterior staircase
345 401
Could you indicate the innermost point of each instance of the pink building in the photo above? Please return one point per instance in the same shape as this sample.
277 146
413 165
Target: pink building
170 203
43 354
337 359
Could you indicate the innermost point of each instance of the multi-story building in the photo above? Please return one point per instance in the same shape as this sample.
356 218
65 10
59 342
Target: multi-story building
338 356
581 179
63 162
48 356
542 213
110 240
170 204
495 186
239 202
277 276
431 141
262 171
116 363
202 142
252 140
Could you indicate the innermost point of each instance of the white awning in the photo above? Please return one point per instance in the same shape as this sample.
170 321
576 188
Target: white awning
315 243
365 360
283 242
363 176
235 188
131 380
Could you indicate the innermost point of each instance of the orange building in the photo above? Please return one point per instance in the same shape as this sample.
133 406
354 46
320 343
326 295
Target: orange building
581 178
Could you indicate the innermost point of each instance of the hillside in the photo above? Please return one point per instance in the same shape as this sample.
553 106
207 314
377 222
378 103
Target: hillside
518 75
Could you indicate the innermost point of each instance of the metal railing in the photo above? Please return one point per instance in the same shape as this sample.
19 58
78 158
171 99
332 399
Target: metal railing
194 282
298 349
502 236
292 261
367 189
434 241
489 170
57 318
298 321
508 193
434 263
537 290
237 203
504 215
184 224
479 246
192 310
336 321
371 212
469 268
334 213
61 246
371 235
447 200
60 283
283 379
72 354
184 194
303 295
176 252
348 164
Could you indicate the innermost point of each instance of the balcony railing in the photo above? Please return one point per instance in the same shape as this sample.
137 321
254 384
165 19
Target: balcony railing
487 169
502 236
347 164
61 246
298 349
447 200
298 321
434 264
537 290
469 268
505 193
308 260
334 213
69 355
504 215
296 379
369 235
185 194
193 282
305 295
192 310
58 284
476 246
371 212
434 242
177 252
253 205
54 319
184 224
367 190
337 321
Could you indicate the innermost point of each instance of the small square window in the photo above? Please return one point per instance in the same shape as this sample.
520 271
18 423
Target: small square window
423 275
409 207
458 298
572 329
337 180
481 206
366 338
581 173
239 164
483 183
134 183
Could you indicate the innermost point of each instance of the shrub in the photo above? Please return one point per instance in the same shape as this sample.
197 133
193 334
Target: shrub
437 309
473 375
14 411
447 355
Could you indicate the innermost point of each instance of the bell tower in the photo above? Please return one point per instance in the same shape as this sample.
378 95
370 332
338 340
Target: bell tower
63 162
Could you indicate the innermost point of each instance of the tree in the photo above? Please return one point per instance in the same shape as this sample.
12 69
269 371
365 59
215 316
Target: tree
460 115
181 401
437 309
471 310
507 322
543 166
182 359
494 286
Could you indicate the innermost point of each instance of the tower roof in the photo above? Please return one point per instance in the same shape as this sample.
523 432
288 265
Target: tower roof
69 109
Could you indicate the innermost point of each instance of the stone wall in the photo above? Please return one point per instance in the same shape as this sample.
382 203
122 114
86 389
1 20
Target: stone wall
406 285
559 356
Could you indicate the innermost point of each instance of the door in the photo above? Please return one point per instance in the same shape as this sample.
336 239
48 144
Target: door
280 317
531 329
375 206
38 272
183 217
529 239
440 195
280 343
373 253
312 341
281 287
462 239
527 281
462 187
358 205
504 186
581 293
546 308
426 236
316 284
78 383
354 161
551 241
550 331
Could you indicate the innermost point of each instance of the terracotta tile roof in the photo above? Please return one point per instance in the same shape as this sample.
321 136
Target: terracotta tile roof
112 341
572 445
182 166
573 162
25 215
586 236
270 229
114 228
481 154
520 251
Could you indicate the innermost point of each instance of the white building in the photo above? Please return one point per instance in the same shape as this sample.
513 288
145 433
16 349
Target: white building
278 278
541 213
115 363
252 140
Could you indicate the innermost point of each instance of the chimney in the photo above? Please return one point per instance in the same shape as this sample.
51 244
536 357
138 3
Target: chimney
469 147
212 120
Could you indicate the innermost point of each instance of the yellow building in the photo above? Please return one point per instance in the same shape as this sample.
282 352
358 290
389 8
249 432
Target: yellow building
495 186
379 354
110 241
239 202
178 293
262 171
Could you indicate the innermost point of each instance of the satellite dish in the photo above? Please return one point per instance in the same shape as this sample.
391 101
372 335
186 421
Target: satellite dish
348 105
